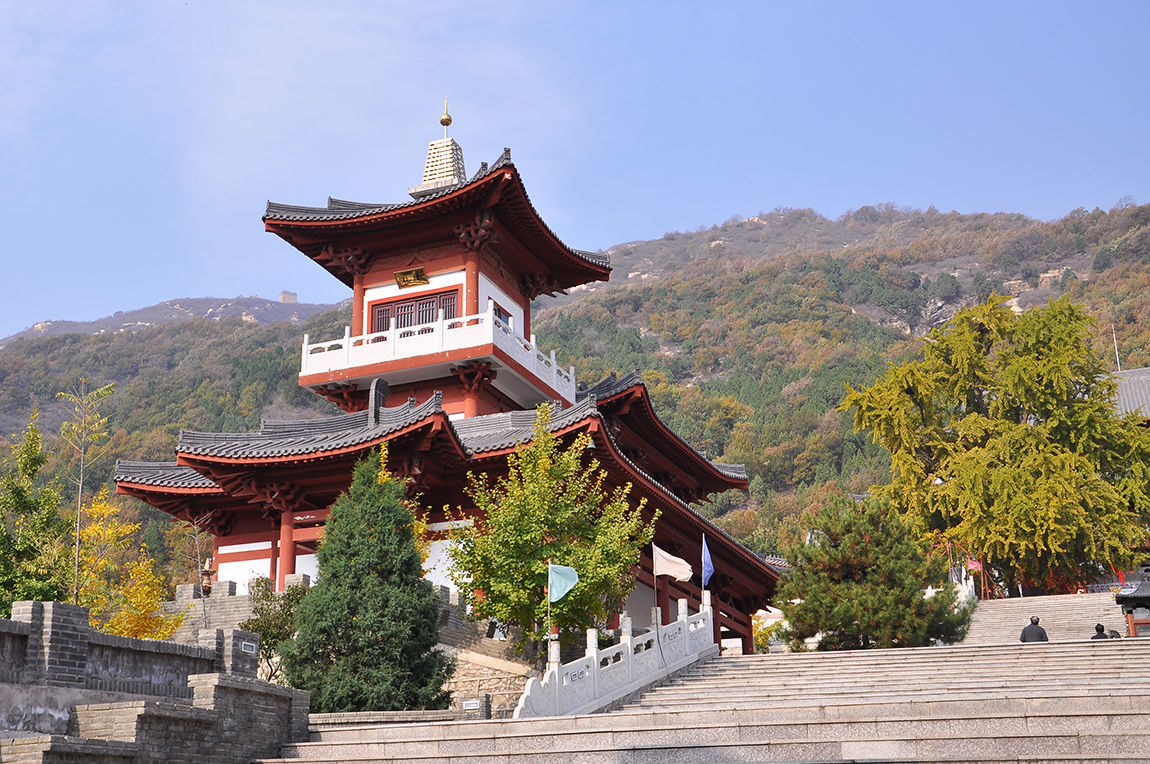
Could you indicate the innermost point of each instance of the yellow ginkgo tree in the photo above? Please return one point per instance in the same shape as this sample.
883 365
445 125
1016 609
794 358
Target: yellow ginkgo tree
124 594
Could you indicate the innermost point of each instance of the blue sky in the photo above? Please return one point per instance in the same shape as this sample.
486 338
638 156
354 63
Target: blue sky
139 141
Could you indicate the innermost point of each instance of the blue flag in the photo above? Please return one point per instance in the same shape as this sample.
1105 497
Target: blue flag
708 566
560 580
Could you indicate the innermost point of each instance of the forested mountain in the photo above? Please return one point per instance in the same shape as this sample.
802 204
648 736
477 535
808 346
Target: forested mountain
251 309
747 332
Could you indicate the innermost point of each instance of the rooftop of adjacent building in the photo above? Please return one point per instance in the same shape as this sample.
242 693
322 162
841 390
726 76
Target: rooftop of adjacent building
1134 391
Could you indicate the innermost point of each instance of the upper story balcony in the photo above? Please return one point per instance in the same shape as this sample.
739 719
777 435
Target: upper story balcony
428 351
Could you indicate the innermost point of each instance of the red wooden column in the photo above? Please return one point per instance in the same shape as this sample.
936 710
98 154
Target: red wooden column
470 282
286 565
748 644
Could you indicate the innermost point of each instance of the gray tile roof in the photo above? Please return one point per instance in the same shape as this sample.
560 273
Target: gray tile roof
341 209
160 475
492 432
1134 391
610 385
309 436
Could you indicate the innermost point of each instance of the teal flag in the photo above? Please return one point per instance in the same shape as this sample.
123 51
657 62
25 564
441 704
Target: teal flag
560 580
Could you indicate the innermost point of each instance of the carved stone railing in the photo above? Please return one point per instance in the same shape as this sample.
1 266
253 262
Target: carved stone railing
602 677
441 335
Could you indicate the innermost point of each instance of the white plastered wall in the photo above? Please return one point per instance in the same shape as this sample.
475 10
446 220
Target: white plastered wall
489 291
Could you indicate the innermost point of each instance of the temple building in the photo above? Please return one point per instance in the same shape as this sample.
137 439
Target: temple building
440 363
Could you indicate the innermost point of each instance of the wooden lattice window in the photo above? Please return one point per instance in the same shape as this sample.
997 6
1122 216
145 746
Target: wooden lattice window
420 310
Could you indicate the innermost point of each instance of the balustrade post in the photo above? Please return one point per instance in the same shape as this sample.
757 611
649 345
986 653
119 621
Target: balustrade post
303 355
593 653
346 346
440 329
553 654
683 610
625 641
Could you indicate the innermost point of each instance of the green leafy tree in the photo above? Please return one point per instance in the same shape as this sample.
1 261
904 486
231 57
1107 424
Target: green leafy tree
273 618
84 432
860 583
1004 443
550 506
33 546
366 633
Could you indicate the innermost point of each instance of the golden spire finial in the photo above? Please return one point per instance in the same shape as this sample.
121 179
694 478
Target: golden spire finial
445 120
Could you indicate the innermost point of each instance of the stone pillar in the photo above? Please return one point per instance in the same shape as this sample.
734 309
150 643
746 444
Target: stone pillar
213 639
57 651
592 642
240 652
295 579
714 616
552 654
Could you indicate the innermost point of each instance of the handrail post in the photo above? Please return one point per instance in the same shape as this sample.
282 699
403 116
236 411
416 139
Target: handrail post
346 346
625 641
303 356
440 329
593 654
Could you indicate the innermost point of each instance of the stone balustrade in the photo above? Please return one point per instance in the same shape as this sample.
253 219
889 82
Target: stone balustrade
603 677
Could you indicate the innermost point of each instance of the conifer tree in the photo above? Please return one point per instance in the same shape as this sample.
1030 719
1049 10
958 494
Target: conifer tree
860 581
366 633
34 562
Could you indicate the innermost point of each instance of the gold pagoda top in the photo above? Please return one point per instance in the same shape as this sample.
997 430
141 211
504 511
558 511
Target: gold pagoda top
444 165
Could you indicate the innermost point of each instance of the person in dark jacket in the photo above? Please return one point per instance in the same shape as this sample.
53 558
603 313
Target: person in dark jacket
1034 632
1099 632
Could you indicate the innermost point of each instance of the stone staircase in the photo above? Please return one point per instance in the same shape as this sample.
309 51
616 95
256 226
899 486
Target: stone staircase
1066 617
1077 700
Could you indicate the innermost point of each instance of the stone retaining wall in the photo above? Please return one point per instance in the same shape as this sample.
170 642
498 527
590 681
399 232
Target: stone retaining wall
50 660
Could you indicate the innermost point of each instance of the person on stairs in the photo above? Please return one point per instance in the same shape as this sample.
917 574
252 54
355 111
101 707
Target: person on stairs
1033 632
1100 632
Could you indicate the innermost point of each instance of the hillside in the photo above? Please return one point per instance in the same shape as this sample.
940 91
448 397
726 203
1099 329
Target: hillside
747 332
251 309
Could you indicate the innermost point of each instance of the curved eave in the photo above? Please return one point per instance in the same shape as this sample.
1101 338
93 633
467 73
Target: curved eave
709 475
501 189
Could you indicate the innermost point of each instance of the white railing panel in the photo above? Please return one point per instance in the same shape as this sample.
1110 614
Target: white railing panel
603 676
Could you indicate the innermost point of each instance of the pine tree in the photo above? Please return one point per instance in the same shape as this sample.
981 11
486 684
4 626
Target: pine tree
860 582
34 562
366 633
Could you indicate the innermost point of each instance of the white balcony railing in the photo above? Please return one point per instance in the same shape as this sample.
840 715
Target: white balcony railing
348 352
